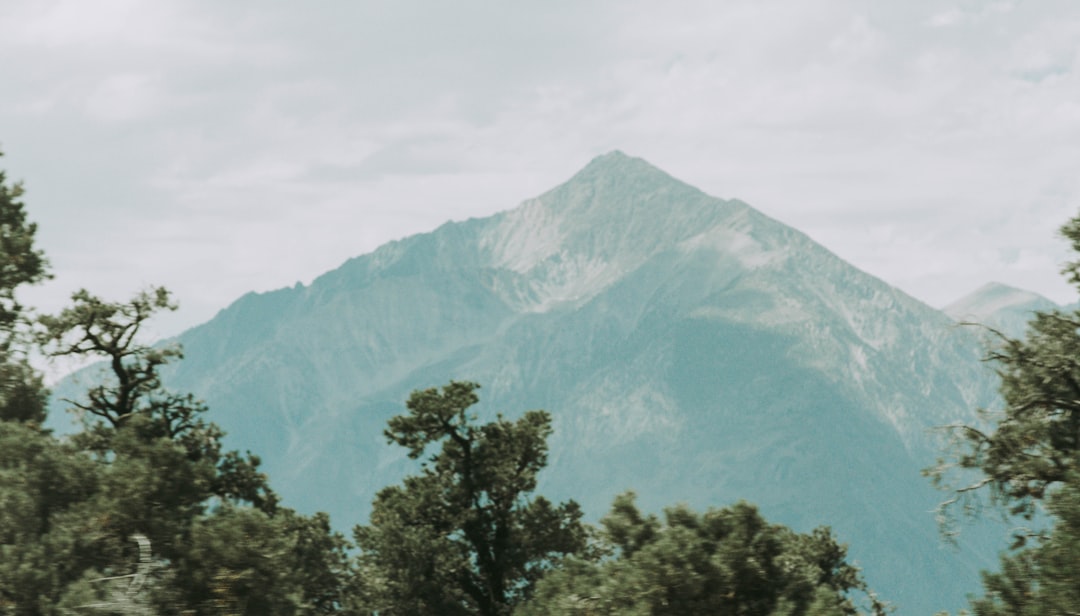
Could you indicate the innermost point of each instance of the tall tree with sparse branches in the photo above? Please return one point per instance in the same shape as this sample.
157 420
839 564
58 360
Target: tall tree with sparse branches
131 408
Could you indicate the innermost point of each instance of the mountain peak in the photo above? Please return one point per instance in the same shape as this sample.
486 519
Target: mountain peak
614 157
615 214
1000 306
617 164
995 296
618 185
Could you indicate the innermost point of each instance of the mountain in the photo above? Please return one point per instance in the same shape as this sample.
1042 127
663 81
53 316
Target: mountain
1004 308
688 347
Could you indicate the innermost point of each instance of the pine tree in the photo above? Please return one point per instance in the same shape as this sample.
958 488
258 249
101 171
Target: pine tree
725 561
1027 456
465 536
164 474
22 394
143 511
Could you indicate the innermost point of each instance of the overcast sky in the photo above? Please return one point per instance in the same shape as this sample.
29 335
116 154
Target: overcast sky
223 147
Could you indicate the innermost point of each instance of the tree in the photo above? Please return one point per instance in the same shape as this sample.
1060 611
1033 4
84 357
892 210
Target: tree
726 561
45 485
464 536
1027 457
131 417
1021 452
244 561
40 478
163 466
20 262
1042 579
147 464
145 488
22 394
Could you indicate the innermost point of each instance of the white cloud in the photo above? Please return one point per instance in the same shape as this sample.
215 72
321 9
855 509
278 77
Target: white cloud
925 144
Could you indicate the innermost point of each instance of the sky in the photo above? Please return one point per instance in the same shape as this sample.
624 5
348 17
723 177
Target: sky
219 148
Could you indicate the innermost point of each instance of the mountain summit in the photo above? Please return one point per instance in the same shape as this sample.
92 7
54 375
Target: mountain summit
610 218
1000 306
688 347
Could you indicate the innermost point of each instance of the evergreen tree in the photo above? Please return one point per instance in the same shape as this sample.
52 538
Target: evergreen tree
45 538
1021 452
1027 456
464 536
20 262
143 511
162 467
244 561
725 561
163 461
1018 454
1043 578
39 477
22 394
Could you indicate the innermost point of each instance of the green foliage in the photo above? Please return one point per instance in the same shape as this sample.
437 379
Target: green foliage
464 537
20 262
244 561
1023 451
44 484
725 561
161 461
1020 453
40 478
130 416
22 395
1042 579
142 510
148 465
161 464
1028 456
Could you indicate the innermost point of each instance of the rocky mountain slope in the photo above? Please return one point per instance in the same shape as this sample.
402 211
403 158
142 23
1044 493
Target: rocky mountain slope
688 347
